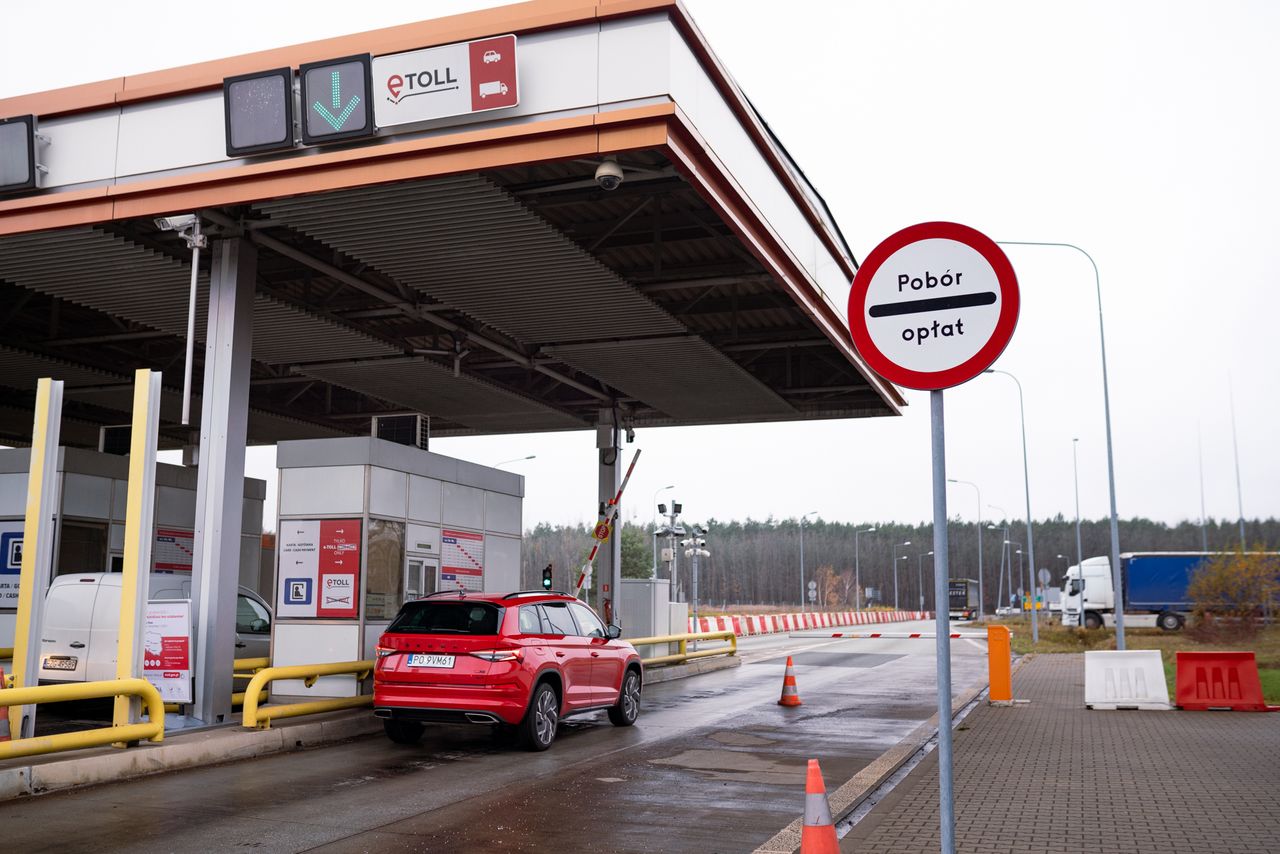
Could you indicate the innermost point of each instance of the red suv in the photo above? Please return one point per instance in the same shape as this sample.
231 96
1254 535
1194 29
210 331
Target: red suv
523 660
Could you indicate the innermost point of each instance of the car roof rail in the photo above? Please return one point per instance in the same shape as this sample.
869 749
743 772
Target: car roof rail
535 593
442 593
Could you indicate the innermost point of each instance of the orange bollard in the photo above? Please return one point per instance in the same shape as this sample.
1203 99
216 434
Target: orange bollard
999 666
790 696
819 833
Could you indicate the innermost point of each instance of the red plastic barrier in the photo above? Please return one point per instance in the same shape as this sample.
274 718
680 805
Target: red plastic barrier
1219 680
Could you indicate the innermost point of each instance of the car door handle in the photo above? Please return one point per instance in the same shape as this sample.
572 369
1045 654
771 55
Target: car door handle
76 645
559 654
241 645
595 655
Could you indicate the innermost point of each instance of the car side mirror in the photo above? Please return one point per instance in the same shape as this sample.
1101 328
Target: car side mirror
613 632
259 625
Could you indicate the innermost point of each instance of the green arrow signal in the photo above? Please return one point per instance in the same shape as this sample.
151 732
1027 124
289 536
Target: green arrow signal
337 121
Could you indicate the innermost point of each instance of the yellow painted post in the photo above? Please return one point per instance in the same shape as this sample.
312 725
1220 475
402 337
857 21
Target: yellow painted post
37 545
138 526
999 666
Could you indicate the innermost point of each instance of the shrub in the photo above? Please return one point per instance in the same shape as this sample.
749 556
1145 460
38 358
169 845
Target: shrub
1232 592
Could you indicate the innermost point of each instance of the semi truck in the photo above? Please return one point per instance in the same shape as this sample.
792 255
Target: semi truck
962 598
1155 589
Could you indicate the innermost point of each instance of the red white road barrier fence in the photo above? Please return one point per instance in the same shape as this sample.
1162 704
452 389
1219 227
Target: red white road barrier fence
768 624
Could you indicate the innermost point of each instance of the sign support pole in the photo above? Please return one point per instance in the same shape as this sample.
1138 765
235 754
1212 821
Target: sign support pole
946 802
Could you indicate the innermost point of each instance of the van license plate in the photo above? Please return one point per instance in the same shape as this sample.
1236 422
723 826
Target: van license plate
419 659
60 663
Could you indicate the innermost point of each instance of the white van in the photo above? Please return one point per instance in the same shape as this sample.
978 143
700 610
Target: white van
82 620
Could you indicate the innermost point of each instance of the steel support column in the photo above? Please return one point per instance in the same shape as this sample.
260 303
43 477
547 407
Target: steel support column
220 487
610 478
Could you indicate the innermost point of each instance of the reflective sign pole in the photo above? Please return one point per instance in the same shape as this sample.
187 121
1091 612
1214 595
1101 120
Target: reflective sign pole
946 801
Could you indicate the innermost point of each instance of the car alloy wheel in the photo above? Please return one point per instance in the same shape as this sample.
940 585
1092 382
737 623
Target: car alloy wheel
627 709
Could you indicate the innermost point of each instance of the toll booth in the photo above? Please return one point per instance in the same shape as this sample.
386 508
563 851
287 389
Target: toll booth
365 524
89 524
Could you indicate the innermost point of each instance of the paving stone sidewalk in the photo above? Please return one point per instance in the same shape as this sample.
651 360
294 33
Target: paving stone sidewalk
1053 776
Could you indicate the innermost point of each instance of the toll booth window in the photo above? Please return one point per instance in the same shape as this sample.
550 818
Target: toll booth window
384 569
448 618
530 621
251 617
589 624
557 618
82 548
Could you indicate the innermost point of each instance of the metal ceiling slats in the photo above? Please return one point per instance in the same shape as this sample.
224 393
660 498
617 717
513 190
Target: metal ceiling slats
20 370
427 387
107 273
466 242
684 377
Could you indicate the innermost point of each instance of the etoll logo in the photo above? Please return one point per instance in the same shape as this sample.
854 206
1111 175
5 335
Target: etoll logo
338 582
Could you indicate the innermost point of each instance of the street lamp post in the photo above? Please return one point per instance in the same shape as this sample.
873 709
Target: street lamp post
1106 409
857 570
895 571
982 598
1075 471
654 504
920 576
1026 483
802 588
516 460
1020 573
1004 519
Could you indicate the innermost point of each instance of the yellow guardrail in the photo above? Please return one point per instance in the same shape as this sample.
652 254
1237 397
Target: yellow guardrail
244 668
260 717
152 730
683 640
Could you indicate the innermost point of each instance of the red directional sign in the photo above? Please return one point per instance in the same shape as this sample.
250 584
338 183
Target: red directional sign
933 305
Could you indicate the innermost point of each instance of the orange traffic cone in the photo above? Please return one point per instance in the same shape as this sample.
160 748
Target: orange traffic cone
819 833
4 711
790 696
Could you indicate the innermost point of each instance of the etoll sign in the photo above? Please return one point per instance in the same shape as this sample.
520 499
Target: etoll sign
453 80
933 305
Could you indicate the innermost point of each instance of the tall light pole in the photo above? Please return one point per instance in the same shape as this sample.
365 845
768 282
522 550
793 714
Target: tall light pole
857 570
982 598
895 571
1004 519
1106 409
802 588
1026 483
1075 471
654 504
1235 449
920 576
1024 590
1204 532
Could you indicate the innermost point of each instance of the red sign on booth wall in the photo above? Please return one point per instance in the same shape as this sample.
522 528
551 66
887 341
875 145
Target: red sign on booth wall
339 569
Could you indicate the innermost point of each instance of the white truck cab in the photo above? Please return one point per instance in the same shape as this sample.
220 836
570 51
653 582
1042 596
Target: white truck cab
82 620
1097 594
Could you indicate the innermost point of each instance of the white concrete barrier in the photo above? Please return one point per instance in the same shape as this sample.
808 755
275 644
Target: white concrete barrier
1133 679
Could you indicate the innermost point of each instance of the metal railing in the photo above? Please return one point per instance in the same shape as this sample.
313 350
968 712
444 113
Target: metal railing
151 730
683 640
260 717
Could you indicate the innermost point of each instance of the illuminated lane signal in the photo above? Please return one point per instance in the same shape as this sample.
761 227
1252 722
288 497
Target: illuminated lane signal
337 100
546 577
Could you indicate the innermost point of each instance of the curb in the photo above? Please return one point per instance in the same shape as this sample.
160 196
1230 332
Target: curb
846 799
208 747
696 667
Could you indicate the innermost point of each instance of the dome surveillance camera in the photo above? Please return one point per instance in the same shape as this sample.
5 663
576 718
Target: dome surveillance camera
609 175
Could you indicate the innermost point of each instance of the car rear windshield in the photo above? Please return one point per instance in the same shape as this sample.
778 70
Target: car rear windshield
447 618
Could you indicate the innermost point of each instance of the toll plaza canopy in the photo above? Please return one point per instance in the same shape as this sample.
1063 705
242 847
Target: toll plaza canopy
455 256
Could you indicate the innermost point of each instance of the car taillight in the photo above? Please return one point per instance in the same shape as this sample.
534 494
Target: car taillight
499 654
383 651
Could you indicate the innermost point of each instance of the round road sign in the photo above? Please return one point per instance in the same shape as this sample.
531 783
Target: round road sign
1044 576
813 585
601 532
933 305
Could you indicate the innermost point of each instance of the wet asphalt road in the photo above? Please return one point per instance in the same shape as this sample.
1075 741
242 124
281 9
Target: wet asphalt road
713 765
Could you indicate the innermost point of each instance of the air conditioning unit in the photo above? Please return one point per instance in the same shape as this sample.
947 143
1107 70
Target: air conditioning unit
412 429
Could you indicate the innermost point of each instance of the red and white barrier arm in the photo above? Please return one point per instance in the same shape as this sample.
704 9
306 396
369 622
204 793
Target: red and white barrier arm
889 635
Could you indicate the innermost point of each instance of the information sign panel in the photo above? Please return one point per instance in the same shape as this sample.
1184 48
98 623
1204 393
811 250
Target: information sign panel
451 80
166 650
318 568
461 560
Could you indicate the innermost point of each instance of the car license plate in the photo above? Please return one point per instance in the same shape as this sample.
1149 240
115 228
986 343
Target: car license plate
419 659
60 663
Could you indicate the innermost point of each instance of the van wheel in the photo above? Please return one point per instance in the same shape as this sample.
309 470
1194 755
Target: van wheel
627 709
402 732
1169 621
538 729
1092 620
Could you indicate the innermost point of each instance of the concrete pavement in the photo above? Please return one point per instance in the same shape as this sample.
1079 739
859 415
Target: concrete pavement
1052 776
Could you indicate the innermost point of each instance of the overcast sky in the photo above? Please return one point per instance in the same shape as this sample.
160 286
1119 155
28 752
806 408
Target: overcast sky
1144 132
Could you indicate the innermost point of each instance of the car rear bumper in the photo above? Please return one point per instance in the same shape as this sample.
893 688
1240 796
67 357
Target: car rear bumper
450 704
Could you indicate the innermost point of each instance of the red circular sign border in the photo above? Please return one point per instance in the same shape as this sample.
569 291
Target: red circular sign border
976 364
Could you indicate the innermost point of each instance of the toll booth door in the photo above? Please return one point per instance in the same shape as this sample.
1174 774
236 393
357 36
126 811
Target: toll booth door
419 577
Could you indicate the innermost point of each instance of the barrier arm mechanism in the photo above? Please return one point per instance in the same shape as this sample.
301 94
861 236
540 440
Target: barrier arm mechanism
610 511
